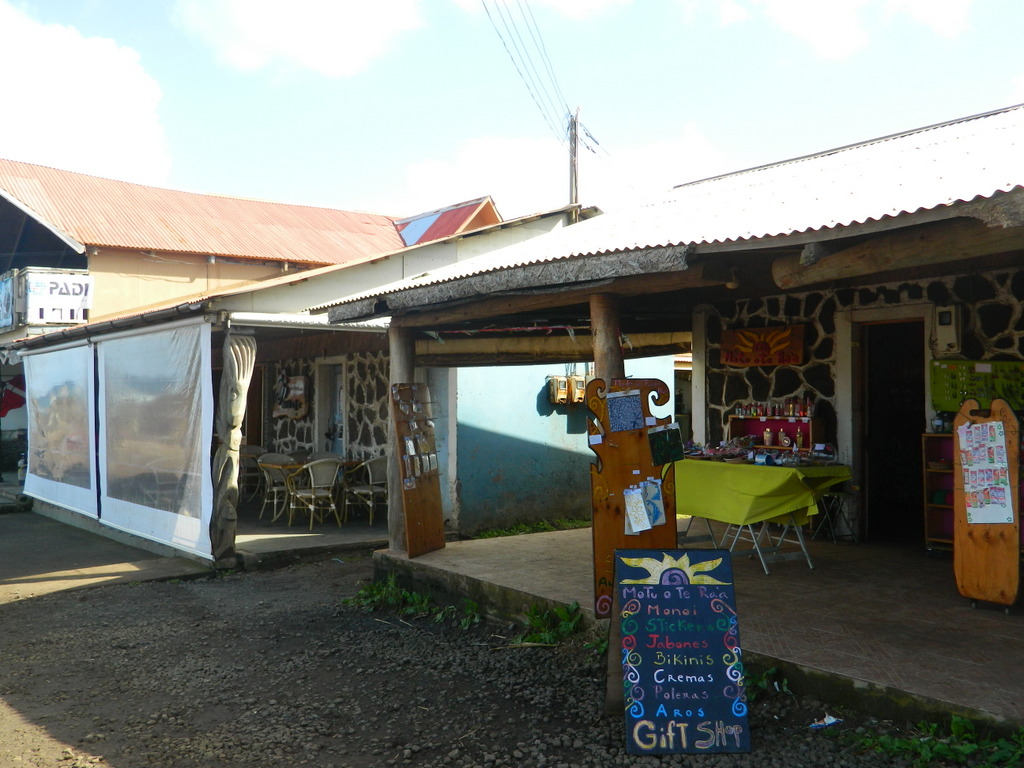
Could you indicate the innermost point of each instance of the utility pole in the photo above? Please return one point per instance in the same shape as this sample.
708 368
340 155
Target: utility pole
574 142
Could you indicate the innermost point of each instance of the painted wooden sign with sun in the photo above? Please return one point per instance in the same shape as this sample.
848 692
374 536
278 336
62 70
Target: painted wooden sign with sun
682 665
749 347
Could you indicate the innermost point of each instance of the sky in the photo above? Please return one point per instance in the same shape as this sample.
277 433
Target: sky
404 106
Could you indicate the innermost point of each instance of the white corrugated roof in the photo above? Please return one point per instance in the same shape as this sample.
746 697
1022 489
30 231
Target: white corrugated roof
923 169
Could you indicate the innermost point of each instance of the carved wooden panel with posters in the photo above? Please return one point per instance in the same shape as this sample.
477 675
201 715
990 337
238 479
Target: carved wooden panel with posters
986 502
624 481
413 416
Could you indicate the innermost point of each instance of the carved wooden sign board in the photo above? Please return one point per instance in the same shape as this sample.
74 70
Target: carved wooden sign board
633 498
413 416
986 502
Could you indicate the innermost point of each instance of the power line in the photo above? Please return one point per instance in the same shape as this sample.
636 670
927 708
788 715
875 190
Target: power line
539 42
521 37
515 46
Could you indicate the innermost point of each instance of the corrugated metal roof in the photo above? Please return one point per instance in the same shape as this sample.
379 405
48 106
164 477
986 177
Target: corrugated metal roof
445 222
922 169
106 213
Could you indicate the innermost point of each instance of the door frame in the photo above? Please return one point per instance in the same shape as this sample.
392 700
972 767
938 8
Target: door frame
849 378
324 373
867 460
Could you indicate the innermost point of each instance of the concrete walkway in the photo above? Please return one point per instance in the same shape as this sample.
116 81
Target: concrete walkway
881 626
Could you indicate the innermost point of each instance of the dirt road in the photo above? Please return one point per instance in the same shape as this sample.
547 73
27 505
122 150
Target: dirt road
273 669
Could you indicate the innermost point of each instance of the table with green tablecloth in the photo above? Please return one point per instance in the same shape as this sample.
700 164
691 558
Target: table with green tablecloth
745 495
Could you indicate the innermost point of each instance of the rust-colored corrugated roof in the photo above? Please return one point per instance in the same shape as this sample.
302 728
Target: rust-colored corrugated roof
445 222
100 212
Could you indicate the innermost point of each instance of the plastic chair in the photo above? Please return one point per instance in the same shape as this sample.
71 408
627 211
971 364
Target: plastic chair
367 483
275 467
311 490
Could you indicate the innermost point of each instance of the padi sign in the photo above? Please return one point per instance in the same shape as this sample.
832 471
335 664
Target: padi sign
57 297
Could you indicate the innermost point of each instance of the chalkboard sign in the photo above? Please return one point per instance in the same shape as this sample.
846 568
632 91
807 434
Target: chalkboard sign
681 661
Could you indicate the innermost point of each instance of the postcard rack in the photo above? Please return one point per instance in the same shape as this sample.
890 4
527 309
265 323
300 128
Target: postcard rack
413 416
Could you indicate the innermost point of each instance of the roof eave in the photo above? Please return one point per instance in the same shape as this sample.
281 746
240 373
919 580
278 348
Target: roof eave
67 239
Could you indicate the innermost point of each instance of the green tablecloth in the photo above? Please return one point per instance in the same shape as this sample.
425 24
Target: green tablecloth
743 494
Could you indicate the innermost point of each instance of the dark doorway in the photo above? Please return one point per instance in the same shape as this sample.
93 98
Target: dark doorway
894 418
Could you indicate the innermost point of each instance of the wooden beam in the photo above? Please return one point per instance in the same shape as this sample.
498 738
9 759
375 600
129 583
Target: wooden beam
476 351
314 344
917 247
551 298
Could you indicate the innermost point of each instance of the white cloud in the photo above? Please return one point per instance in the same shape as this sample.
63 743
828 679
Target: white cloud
523 175
82 104
333 38
731 12
642 172
835 29
947 18
529 175
580 9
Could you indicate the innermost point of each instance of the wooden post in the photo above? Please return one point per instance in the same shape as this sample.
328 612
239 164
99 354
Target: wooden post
604 322
402 349
239 361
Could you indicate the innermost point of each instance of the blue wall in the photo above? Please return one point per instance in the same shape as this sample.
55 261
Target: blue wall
520 458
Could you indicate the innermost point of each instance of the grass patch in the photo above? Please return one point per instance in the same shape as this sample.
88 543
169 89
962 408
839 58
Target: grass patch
540 526
389 596
545 627
960 746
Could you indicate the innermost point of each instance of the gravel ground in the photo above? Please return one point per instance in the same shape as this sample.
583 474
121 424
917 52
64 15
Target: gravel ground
272 669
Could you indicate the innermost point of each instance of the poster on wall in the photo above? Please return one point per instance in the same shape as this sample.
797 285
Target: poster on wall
986 473
291 399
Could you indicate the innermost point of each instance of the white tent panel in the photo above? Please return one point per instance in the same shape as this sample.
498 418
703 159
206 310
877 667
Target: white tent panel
61 414
156 428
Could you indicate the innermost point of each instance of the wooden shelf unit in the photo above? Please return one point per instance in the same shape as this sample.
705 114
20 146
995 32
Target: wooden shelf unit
937 476
937 447
754 426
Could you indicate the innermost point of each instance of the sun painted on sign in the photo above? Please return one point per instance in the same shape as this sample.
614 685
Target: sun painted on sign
681 659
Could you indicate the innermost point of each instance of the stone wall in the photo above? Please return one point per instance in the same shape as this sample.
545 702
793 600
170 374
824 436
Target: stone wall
290 435
366 418
366 423
992 328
